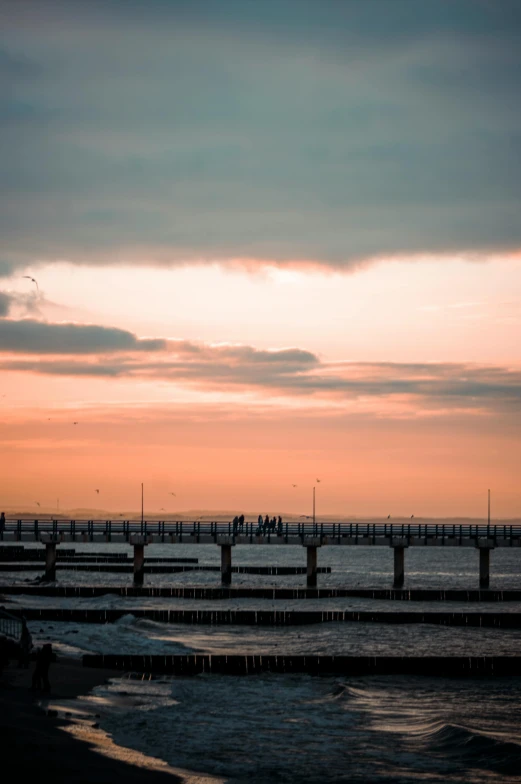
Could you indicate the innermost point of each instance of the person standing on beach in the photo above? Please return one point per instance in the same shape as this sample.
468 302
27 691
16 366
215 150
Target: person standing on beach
26 644
41 670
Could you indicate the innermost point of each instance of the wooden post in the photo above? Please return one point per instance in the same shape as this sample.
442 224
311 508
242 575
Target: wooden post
399 567
484 567
312 566
50 562
226 564
139 563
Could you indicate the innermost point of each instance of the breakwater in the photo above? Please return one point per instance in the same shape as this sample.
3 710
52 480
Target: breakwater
311 665
161 569
17 554
283 594
273 617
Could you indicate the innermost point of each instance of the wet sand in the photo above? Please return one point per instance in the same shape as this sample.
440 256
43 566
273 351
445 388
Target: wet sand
34 744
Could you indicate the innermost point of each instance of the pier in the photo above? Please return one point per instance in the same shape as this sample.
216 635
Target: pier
311 536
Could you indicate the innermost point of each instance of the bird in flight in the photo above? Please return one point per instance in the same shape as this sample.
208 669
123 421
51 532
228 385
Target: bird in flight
388 517
294 485
172 494
412 516
162 509
37 503
97 491
74 423
33 280
318 480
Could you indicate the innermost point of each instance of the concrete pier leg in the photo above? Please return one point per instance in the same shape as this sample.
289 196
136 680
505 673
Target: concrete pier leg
50 561
484 567
399 567
312 566
226 564
139 563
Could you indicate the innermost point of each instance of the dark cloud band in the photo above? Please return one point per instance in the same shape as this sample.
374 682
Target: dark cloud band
284 131
36 337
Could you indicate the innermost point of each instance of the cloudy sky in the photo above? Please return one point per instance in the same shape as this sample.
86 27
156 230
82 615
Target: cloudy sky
247 245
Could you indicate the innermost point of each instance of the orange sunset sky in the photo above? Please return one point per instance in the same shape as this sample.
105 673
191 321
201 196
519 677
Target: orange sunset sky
247 249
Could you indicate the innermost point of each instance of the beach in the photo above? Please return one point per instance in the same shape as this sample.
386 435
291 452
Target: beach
36 746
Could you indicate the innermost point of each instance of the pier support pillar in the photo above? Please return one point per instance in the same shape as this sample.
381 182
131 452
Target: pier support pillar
399 567
139 563
226 564
50 562
484 566
312 566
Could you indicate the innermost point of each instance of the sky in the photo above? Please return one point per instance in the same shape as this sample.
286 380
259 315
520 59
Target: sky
246 246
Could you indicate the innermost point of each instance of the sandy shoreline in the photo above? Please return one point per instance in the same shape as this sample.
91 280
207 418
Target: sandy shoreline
53 748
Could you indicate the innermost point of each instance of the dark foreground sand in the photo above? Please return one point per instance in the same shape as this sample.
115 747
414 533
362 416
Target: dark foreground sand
34 748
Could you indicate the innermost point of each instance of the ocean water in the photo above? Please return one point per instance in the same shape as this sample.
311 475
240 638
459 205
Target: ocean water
296 728
355 567
274 728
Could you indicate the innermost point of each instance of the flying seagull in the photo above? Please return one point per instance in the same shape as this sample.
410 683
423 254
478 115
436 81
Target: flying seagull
74 423
97 491
162 509
33 280
388 517
294 485
412 516
318 480
172 494
37 503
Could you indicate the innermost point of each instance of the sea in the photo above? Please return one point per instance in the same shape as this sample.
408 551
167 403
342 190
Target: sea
298 728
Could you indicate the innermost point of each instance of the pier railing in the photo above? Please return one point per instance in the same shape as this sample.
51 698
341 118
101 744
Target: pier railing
194 530
10 626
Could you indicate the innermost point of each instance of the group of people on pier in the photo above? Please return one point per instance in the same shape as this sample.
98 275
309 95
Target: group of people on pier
238 524
269 525
264 525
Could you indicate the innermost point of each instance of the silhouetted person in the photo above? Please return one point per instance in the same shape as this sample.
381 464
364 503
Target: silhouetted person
273 524
266 523
41 670
26 643
279 526
259 525
2 522
241 522
235 524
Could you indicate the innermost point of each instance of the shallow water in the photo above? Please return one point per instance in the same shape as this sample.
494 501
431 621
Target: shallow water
273 728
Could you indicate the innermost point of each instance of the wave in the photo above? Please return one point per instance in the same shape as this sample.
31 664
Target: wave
469 746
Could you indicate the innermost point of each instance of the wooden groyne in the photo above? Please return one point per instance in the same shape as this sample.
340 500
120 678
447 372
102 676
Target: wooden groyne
311 665
161 569
13 553
211 593
273 617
